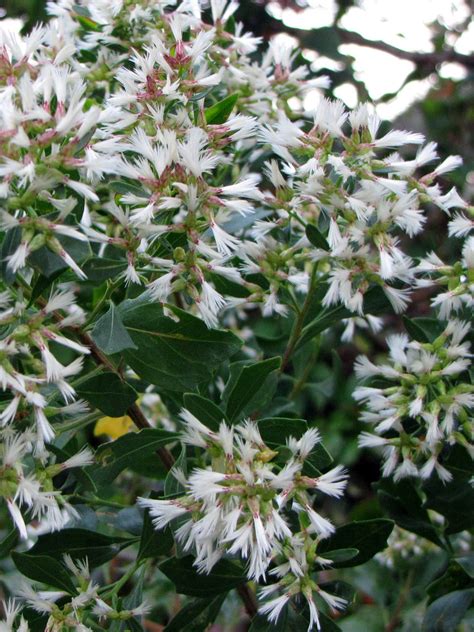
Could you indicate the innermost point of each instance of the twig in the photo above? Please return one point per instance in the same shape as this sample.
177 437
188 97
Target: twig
248 599
298 326
134 411
420 59
395 618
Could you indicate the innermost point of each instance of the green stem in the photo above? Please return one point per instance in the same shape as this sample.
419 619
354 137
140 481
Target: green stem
122 581
300 383
395 619
110 289
98 502
299 322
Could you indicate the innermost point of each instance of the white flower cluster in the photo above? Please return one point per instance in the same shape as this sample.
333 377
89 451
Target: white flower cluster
148 135
335 175
239 506
77 612
423 407
77 111
404 545
35 379
456 280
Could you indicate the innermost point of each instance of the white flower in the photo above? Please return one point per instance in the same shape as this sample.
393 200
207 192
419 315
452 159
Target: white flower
162 511
333 482
274 607
225 243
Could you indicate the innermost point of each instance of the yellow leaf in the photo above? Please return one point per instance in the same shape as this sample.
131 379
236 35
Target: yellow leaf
113 427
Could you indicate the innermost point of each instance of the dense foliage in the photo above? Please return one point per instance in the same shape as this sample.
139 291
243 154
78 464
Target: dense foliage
182 245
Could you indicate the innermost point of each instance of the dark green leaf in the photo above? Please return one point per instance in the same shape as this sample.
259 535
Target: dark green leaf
316 237
276 430
153 543
327 624
369 536
196 616
44 569
10 243
48 263
42 284
8 542
466 562
110 335
173 355
101 268
205 410
327 318
36 622
423 329
341 555
108 393
247 387
224 576
219 112
80 544
172 486
444 614
455 578
453 500
118 186
119 454
404 505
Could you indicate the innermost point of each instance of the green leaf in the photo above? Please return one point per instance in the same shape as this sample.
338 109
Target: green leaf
88 24
44 569
173 487
36 622
219 112
327 318
466 562
108 393
455 578
124 188
41 285
316 237
340 556
80 544
423 329
247 387
224 576
276 430
8 542
444 614
153 543
119 454
453 500
110 335
173 355
205 410
10 243
404 505
196 616
101 268
369 536
48 263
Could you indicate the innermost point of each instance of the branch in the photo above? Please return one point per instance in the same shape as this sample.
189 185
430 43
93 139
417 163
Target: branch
420 59
134 411
248 599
